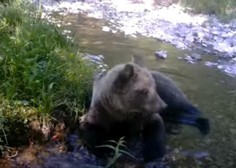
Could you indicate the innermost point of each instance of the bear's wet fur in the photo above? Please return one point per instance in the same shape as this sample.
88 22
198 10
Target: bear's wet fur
125 103
179 109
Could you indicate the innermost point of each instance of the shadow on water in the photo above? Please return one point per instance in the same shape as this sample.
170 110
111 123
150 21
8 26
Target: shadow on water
212 91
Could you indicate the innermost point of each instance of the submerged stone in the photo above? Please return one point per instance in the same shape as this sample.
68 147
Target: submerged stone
161 54
193 58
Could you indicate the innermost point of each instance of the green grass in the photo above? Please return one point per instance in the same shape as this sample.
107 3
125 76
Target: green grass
40 68
224 9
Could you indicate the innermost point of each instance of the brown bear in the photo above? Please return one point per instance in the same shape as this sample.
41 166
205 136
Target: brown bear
125 103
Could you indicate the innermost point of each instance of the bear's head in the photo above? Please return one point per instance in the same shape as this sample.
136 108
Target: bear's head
137 89
127 88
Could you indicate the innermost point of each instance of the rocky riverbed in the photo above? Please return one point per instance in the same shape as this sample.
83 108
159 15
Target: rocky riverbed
172 24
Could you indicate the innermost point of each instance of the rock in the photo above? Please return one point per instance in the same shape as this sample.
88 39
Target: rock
189 59
106 29
211 64
189 38
196 57
114 31
94 58
193 58
161 54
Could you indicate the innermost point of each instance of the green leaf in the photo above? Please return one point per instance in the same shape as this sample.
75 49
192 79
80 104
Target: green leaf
107 146
127 153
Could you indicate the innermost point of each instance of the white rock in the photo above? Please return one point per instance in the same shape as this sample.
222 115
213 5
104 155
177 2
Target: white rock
161 54
106 29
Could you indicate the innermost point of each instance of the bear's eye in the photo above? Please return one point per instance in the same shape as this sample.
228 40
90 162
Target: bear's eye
142 92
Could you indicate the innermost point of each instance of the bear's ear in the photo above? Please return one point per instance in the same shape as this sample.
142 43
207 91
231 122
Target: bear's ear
123 77
127 72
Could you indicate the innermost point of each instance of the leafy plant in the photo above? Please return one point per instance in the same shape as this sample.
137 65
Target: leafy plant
118 152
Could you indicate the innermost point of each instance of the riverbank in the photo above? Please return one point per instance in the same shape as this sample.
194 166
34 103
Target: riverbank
171 24
44 79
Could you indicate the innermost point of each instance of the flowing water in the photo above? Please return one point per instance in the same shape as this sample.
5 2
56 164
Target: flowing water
208 88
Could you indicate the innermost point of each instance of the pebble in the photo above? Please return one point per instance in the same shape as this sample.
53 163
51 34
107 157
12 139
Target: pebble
161 54
105 29
193 58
